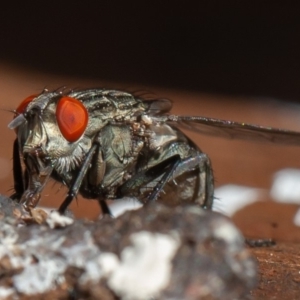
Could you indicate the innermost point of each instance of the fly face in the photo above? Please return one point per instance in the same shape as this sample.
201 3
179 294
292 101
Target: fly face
50 129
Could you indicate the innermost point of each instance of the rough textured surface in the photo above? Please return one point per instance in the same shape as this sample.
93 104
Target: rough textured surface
278 265
168 253
279 276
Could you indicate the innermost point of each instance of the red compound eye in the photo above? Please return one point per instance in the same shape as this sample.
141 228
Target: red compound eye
72 118
22 106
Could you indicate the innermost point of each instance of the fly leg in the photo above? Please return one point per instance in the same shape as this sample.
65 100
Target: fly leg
17 173
171 168
78 181
105 209
169 171
205 189
142 178
205 193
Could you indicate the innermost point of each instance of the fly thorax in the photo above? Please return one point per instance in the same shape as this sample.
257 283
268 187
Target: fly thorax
161 134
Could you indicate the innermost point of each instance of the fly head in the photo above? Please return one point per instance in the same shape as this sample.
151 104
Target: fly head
50 130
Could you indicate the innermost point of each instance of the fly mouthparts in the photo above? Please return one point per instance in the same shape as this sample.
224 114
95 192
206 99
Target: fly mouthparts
17 121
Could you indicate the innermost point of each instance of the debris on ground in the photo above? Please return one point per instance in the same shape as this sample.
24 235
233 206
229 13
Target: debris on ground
155 252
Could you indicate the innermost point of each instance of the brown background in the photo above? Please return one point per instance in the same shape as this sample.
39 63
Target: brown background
231 47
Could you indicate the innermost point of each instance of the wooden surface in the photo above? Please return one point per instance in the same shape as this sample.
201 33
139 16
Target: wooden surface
243 163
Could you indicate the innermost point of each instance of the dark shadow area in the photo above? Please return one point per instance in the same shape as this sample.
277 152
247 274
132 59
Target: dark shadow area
230 47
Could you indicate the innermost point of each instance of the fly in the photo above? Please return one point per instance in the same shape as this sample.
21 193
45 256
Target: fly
109 144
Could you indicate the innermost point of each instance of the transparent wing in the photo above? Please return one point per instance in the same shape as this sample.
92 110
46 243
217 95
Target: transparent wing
234 130
158 106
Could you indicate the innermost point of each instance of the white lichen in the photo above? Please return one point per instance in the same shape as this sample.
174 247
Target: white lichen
55 219
5 292
230 198
103 266
145 267
39 278
227 232
285 187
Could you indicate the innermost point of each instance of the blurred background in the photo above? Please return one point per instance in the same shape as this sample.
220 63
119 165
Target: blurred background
230 60
231 47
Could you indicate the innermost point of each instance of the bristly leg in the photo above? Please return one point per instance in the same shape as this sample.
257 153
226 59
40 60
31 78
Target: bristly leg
105 209
78 180
17 173
167 170
132 186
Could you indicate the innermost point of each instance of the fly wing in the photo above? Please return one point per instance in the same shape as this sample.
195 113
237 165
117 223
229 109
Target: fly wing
234 130
158 106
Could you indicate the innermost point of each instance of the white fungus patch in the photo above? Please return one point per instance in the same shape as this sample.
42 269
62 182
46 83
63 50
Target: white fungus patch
44 258
5 292
145 267
196 210
117 208
109 262
103 266
39 278
18 261
230 198
286 189
79 254
234 242
227 232
286 186
8 236
55 219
